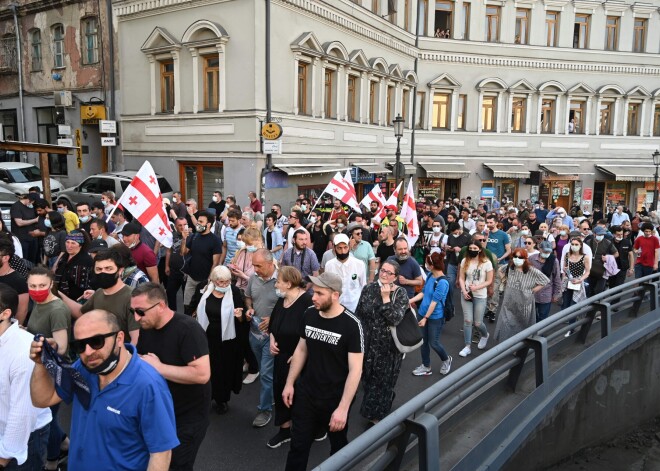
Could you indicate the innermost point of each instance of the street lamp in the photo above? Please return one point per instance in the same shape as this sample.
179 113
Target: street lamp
398 133
656 162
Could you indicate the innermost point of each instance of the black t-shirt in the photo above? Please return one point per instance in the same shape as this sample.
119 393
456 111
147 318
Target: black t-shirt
219 208
319 242
19 211
176 259
329 341
16 281
202 248
461 241
623 247
181 341
84 226
285 323
383 252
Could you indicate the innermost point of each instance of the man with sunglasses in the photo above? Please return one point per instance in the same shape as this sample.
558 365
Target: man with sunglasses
176 346
361 249
295 225
128 421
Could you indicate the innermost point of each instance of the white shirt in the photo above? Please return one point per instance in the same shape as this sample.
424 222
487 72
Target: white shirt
353 277
18 417
588 253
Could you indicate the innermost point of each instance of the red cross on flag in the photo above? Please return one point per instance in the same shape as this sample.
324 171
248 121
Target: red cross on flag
375 194
352 197
344 191
145 202
393 200
409 214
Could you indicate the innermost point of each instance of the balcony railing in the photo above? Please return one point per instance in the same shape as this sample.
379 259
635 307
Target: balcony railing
8 56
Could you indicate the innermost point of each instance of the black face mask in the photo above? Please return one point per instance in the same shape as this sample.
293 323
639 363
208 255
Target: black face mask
108 365
342 256
105 280
473 253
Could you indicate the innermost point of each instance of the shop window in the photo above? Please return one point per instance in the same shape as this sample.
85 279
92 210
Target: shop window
461 115
576 117
211 82
581 31
441 110
199 181
639 35
606 117
167 86
522 26
612 33
444 12
551 28
47 121
489 114
493 24
633 119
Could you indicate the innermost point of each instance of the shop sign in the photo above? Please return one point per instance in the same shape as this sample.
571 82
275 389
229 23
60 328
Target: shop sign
648 186
587 194
488 192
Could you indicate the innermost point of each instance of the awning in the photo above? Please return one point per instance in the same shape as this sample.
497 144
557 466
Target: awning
445 170
629 174
411 169
294 169
372 167
565 169
507 170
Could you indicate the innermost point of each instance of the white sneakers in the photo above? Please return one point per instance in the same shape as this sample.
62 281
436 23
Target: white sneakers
446 366
466 351
422 370
482 342
250 378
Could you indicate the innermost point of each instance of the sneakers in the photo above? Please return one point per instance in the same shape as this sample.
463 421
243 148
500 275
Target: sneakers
282 436
250 378
466 351
221 408
490 315
422 370
446 366
320 436
483 342
262 419
476 336
569 333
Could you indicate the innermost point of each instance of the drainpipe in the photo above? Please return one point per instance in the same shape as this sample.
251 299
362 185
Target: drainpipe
111 50
420 7
19 66
269 157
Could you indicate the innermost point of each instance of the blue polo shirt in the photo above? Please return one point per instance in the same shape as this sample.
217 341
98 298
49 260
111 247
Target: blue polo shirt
130 418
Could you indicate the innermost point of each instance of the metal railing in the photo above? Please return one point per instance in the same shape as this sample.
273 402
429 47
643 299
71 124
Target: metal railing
8 56
413 430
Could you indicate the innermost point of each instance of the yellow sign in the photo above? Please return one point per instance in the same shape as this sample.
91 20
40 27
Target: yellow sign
91 114
78 150
271 131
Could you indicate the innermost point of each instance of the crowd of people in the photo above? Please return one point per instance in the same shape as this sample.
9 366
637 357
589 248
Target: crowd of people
301 300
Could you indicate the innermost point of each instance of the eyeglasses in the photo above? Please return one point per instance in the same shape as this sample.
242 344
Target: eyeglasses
292 216
96 342
141 312
387 272
357 233
529 243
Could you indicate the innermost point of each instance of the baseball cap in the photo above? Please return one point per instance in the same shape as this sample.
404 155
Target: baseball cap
328 280
599 230
97 245
352 226
340 239
131 229
391 207
545 246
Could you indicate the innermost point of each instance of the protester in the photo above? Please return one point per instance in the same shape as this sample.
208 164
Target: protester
410 273
350 270
74 267
546 261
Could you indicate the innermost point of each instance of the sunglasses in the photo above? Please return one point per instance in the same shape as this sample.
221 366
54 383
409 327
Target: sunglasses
519 257
529 243
293 217
96 342
141 312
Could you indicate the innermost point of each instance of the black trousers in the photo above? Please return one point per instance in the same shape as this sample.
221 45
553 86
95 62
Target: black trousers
309 415
190 438
175 282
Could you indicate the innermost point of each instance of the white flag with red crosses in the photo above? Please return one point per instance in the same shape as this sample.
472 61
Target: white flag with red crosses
409 214
340 189
144 201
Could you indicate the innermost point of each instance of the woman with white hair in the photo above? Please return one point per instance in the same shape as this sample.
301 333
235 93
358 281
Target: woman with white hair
220 313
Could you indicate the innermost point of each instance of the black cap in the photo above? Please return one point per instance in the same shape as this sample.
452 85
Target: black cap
131 229
97 245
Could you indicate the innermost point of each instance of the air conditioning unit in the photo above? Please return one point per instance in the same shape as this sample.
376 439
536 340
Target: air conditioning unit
63 98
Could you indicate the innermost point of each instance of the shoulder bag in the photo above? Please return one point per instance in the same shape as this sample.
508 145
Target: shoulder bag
407 335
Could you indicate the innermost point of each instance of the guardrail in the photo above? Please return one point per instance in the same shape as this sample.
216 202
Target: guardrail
412 430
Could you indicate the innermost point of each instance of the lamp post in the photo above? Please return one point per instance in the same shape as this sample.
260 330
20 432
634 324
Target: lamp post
398 133
656 162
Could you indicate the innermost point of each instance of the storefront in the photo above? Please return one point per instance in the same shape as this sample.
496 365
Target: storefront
198 180
633 185
561 185
506 179
443 180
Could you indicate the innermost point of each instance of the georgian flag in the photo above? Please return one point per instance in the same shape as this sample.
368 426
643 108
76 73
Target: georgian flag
339 188
145 202
352 196
409 214
375 194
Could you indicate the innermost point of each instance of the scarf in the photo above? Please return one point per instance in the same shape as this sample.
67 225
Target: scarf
226 313
549 265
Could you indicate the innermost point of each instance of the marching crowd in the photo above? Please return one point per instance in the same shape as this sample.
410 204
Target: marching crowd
303 301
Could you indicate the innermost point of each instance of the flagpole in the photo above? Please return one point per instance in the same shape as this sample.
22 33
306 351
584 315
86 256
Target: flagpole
317 201
115 208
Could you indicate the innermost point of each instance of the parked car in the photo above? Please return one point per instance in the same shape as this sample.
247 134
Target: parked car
18 177
7 198
91 188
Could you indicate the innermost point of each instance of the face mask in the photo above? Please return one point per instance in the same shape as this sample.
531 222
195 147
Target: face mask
200 228
303 207
280 294
60 210
312 219
524 232
575 248
618 239
518 262
109 365
402 258
545 255
174 200
215 199
447 206
340 226
251 248
47 223
600 237
473 253
106 280
240 244
84 219
131 246
222 289
436 230
456 235
30 206
105 203
342 256
562 233
39 295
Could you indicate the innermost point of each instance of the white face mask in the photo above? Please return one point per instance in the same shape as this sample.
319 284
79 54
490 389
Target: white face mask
436 230
600 237
562 233
518 262
312 219
545 255
215 199
575 248
524 232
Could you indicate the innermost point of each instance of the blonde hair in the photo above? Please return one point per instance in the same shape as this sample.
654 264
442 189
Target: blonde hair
220 273
253 235
290 275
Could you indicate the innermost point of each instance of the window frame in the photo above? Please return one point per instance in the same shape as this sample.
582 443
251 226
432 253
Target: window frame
551 26
609 111
498 17
329 83
85 38
303 84
58 45
467 9
634 109
390 104
36 56
548 114
436 114
519 111
586 26
461 112
612 33
642 38
451 5
214 103
520 22
492 123
164 95
582 111
351 98
656 120
420 120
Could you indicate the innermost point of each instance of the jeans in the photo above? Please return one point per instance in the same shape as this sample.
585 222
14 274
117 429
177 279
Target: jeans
261 349
567 301
56 435
642 271
30 249
431 335
494 300
452 271
542 311
473 313
37 444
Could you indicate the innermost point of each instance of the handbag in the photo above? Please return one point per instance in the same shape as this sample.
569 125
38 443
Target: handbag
406 334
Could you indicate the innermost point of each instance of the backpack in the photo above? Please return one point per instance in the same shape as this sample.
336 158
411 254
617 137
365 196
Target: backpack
449 301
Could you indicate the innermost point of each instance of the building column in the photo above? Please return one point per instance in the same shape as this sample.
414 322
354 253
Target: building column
567 114
315 66
617 107
382 99
324 65
539 113
528 114
498 111
652 120
296 59
152 73
480 105
345 88
364 92
625 116
177 82
509 125
557 113
222 78
597 130
429 111
195 78
454 110
642 118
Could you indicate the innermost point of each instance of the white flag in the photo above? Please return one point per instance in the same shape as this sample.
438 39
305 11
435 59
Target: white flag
409 214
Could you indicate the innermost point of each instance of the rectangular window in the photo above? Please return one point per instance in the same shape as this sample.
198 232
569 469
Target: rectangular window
488 113
606 117
406 15
35 41
576 116
492 24
404 104
421 110
461 112
47 120
91 41
302 88
390 106
581 32
612 33
167 86
375 6
444 21
424 31
639 35
373 102
441 114
58 46
522 26
351 102
211 82
656 121
518 114
551 28
466 21
328 99
547 116
633 119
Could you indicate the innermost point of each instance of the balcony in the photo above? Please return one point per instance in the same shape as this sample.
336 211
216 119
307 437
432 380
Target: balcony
8 56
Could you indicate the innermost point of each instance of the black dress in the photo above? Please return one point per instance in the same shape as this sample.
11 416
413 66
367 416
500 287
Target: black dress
73 274
285 325
225 356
